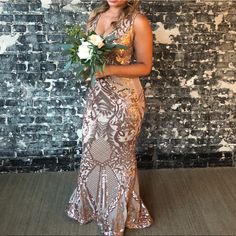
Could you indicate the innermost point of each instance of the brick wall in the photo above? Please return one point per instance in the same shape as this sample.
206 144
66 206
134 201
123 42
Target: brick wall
190 114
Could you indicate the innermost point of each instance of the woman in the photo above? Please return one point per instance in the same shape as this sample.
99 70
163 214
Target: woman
108 190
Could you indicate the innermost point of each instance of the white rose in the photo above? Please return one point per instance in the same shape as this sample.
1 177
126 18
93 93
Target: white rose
96 40
84 52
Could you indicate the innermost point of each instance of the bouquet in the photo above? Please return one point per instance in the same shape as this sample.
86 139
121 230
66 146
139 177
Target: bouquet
87 52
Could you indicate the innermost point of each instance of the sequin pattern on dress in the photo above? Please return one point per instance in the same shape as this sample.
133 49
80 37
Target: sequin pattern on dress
108 189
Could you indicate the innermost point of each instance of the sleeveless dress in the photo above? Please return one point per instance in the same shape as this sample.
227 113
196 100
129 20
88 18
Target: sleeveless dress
108 189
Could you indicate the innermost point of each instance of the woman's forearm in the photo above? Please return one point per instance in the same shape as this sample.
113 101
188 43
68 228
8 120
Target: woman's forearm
131 70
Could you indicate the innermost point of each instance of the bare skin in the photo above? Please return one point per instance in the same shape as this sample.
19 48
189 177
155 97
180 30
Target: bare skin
142 43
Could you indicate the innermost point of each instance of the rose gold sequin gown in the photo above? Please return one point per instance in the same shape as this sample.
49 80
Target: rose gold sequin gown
108 189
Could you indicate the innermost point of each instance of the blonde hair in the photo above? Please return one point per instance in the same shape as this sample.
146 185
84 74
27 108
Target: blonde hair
129 9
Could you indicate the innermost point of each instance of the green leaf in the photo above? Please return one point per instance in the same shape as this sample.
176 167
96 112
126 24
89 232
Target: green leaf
99 52
100 68
103 66
121 46
109 38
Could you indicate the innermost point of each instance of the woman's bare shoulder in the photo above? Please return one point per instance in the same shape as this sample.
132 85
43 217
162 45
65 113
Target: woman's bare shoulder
141 21
140 18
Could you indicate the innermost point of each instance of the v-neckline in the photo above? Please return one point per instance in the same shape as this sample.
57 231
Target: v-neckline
104 34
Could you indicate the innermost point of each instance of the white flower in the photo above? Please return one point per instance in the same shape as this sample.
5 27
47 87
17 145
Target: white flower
96 40
84 51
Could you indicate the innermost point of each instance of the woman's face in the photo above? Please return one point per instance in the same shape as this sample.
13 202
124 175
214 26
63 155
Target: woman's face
117 3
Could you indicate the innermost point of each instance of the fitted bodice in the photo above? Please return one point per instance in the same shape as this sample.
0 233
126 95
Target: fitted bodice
127 88
122 34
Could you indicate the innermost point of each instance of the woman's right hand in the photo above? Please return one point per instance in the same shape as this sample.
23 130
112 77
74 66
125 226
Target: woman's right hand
106 72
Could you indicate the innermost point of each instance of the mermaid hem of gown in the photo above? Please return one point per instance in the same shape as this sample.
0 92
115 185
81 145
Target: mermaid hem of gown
135 220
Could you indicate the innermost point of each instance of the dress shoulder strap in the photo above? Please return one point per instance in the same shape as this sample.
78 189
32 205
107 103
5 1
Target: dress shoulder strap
133 16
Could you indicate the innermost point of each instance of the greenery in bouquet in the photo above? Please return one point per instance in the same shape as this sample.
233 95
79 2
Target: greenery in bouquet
87 51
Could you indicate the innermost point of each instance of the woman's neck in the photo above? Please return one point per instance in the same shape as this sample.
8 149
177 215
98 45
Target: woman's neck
114 11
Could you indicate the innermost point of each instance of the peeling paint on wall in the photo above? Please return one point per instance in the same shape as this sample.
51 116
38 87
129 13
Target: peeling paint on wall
194 94
7 41
226 147
46 3
165 35
72 6
227 85
2 5
219 19
190 93
175 106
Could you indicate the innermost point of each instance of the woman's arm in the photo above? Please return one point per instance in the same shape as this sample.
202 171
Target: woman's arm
143 52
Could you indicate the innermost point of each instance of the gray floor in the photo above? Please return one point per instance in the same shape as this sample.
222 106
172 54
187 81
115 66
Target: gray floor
181 201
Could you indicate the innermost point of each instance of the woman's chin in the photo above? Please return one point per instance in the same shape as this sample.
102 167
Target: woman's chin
116 3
